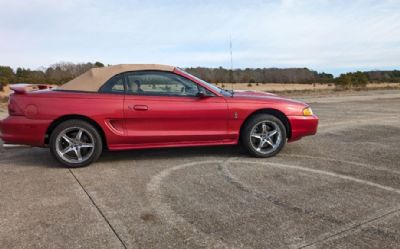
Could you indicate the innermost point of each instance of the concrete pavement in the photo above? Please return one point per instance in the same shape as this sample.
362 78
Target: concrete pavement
338 189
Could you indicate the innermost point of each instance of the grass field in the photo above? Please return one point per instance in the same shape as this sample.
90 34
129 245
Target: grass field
277 87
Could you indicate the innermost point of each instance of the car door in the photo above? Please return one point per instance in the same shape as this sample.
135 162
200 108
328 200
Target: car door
163 108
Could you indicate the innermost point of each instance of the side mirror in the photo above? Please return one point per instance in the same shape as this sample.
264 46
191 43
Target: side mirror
201 95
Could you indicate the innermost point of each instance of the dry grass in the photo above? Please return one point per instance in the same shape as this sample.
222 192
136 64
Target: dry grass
6 91
4 99
275 87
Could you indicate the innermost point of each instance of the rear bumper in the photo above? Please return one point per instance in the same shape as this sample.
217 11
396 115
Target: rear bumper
303 126
21 130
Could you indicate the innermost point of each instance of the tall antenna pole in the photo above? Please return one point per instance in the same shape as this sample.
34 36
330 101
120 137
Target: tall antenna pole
231 71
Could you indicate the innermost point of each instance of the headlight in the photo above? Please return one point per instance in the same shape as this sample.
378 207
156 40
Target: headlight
307 111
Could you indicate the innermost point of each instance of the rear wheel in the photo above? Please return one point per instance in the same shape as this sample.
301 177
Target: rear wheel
75 143
263 135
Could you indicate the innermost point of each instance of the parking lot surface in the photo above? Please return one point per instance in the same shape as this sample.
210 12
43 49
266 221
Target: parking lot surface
338 189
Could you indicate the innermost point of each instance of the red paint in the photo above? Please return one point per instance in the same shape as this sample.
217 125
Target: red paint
133 122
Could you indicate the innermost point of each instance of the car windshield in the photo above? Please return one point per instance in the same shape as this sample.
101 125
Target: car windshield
212 86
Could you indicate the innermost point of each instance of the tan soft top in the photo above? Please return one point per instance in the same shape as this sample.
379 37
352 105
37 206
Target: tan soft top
93 79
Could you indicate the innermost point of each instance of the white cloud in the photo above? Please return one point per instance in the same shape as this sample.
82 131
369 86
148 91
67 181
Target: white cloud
325 35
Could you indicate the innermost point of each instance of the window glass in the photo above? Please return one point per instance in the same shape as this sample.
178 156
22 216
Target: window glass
157 83
215 88
206 91
114 85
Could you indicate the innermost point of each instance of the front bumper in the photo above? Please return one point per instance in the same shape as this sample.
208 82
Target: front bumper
21 130
303 126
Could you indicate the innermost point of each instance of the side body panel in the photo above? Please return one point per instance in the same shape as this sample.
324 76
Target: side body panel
164 120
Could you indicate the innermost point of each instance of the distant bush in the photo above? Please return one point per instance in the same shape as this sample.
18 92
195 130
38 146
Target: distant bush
352 80
249 85
4 99
383 76
6 76
55 74
260 75
98 64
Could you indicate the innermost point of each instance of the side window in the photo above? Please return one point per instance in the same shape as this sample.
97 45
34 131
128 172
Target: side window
114 85
155 83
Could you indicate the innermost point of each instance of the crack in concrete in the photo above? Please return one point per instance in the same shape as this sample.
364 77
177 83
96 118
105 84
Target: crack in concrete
98 209
350 229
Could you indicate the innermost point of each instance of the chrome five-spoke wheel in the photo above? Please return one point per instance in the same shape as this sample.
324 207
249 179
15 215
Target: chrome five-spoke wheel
263 135
75 143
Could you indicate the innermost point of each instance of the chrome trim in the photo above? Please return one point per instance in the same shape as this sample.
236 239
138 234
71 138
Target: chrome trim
15 146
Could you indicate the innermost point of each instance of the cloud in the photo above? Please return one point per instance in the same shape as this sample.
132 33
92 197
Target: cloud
325 35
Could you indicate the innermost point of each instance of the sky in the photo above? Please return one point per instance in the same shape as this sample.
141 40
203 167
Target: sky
333 36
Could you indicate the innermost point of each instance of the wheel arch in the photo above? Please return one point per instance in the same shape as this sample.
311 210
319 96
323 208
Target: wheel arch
64 118
274 112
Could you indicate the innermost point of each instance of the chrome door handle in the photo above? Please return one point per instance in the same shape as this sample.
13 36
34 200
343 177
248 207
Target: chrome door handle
139 107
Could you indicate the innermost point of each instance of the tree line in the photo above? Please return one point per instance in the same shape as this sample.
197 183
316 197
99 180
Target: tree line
261 75
55 74
60 73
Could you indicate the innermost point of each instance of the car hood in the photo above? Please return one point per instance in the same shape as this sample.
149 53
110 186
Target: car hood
262 96
249 93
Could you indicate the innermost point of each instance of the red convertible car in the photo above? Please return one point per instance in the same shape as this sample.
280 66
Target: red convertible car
147 106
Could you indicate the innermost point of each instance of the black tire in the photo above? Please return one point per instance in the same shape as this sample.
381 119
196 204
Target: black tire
91 133
258 119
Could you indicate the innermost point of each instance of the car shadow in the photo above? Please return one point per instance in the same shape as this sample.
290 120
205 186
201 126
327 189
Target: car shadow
173 153
27 157
41 157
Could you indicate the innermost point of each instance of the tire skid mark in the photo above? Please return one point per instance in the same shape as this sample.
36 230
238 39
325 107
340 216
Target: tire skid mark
343 230
351 228
166 213
364 165
387 234
322 172
200 238
274 200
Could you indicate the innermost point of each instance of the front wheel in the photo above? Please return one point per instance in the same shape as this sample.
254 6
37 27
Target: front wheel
75 143
263 135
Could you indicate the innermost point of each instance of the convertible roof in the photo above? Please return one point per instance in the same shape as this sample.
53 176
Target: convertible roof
93 79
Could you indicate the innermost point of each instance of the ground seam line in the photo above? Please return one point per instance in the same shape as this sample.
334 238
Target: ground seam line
354 227
99 210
